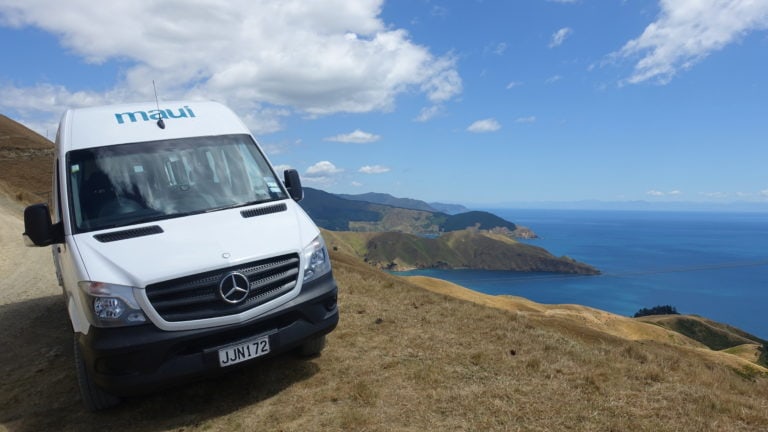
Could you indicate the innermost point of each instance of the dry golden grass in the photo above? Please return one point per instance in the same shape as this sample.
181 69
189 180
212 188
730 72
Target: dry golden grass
26 163
406 358
347 242
403 358
749 352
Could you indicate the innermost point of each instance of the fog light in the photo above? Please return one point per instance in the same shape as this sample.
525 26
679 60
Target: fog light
330 303
109 308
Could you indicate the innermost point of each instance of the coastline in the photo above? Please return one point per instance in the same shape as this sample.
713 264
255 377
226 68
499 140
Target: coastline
647 259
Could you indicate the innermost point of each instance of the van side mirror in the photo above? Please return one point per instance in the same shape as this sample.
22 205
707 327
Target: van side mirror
293 183
38 229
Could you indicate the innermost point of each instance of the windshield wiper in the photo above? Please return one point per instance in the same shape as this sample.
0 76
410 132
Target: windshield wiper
236 205
162 217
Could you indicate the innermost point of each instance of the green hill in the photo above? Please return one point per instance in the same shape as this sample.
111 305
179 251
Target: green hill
460 249
397 238
334 213
715 335
478 219
337 213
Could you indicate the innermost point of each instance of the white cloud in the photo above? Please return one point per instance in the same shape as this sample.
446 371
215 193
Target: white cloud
657 193
374 169
357 136
528 119
764 193
688 31
513 84
53 99
323 173
314 58
265 120
553 79
428 113
323 168
443 81
485 125
560 36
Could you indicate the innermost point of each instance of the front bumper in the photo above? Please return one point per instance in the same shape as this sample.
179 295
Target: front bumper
134 360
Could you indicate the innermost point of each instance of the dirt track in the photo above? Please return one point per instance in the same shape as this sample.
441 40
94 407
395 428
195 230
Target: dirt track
35 333
27 273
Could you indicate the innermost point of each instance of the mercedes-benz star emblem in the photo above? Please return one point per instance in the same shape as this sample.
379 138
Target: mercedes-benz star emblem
234 288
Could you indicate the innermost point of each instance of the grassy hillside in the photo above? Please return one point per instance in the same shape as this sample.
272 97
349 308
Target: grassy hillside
715 335
460 249
410 354
26 162
413 355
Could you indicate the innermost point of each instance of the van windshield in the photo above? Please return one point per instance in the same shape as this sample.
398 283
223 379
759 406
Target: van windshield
126 184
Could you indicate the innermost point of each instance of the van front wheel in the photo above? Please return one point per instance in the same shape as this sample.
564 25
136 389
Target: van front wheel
94 398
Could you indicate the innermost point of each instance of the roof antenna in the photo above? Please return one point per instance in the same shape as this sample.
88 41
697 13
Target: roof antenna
160 122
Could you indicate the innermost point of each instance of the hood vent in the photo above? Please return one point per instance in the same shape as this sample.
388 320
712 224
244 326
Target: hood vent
277 208
128 234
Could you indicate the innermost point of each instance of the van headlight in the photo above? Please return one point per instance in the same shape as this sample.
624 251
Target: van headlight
316 261
111 305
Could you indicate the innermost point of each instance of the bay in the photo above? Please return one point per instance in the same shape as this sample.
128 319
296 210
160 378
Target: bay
709 264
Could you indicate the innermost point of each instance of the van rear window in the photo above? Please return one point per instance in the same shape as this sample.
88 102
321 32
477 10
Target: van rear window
127 184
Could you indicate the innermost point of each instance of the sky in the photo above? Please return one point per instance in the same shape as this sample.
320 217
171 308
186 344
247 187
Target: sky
478 102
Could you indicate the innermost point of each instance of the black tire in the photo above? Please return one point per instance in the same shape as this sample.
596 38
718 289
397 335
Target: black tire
94 398
312 347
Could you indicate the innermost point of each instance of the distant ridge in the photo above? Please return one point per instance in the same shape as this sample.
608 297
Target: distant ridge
450 209
337 213
407 203
387 199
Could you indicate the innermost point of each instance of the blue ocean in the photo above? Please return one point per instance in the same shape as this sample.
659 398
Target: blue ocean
709 264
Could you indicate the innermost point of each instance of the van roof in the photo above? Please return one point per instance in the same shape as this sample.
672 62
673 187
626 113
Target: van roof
128 123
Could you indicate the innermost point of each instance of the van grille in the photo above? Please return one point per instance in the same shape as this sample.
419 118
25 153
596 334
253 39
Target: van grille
197 296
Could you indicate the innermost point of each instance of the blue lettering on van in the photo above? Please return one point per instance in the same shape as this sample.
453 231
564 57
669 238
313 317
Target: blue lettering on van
133 117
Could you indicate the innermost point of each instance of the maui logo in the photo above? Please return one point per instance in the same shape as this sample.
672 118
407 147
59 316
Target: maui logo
133 117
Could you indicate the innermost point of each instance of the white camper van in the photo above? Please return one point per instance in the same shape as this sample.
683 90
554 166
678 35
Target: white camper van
179 250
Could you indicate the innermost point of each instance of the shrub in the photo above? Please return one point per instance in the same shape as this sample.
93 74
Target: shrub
657 310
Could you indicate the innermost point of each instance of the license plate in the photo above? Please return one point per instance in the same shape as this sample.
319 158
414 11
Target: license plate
241 352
